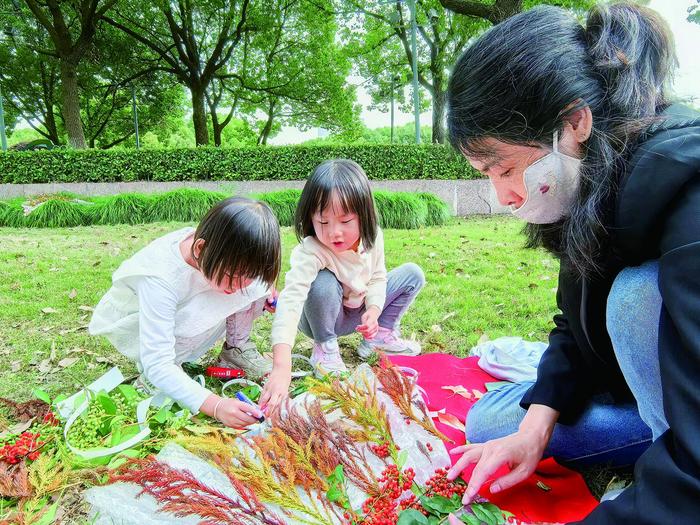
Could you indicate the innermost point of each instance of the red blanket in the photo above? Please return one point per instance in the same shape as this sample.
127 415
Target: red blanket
568 498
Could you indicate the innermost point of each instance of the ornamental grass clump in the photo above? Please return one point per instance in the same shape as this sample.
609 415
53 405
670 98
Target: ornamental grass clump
183 205
57 213
127 208
283 204
438 211
400 210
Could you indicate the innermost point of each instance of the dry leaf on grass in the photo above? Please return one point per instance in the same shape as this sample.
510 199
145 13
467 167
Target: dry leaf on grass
49 310
67 362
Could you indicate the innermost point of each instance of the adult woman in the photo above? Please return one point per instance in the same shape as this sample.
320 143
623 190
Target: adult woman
573 127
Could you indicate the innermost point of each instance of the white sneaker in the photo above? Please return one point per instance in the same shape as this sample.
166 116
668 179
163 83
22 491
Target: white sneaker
326 359
247 358
389 342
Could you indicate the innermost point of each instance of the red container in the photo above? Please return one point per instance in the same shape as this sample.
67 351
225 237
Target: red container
225 373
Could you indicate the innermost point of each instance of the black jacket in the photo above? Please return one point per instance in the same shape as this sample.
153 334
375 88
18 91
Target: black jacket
657 216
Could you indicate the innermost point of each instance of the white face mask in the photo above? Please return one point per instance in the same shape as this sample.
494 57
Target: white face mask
551 183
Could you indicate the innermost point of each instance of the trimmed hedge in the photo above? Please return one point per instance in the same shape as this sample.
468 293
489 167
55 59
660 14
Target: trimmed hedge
380 161
396 209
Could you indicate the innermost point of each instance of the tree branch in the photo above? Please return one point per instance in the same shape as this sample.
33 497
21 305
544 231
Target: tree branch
494 13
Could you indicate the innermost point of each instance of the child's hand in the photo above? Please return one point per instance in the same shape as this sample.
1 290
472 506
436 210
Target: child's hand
237 414
271 302
231 412
369 326
276 389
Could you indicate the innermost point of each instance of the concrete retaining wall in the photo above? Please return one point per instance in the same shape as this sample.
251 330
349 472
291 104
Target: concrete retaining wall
465 197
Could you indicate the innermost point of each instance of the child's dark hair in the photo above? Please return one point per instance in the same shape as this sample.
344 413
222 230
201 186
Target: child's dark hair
521 80
241 237
348 181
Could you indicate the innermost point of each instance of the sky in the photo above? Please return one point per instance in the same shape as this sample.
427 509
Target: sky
687 80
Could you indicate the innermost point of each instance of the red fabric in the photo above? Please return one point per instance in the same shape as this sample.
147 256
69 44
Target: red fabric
568 500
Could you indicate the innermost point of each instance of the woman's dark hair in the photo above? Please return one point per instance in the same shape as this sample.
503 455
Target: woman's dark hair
348 182
241 237
521 80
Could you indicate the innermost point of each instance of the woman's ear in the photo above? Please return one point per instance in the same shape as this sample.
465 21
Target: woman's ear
197 248
581 124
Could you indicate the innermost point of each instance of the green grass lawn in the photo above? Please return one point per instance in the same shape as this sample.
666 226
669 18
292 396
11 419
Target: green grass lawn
480 282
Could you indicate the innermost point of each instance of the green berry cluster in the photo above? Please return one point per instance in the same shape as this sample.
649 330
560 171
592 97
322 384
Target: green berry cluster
94 427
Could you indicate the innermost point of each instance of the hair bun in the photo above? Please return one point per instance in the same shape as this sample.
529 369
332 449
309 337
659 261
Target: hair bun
632 48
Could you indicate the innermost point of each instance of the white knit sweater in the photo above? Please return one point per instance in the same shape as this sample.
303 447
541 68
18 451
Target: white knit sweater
161 312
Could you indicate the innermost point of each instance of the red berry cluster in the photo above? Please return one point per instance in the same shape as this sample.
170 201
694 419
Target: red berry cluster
429 446
382 509
381 451
27 444
50 419
437 485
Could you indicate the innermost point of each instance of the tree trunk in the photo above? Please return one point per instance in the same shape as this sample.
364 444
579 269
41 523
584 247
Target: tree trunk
199 117
439 96
265 133
71 105
50 124
216 127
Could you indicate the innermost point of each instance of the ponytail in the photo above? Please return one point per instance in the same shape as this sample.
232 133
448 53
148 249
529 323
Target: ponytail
632 49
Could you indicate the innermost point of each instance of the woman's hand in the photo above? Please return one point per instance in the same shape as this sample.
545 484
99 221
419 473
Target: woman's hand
369 326
231 412
521 452
271 301
276 389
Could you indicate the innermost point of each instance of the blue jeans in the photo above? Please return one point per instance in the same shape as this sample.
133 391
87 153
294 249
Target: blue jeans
324 317
606 433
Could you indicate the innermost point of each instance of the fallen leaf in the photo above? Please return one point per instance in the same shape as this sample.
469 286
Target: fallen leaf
102 359
17 429
451 421
52 354
45 366
16 366
85 308
544 487
432 254
68 361
49 310
54 269
436 328
459 390
73 294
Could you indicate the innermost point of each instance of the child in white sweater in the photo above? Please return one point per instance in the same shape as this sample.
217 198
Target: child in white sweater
172 300
338 283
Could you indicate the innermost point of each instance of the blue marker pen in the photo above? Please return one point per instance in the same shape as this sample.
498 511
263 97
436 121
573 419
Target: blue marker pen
242 397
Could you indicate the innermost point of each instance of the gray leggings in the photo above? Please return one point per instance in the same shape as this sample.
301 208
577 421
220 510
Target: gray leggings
324 316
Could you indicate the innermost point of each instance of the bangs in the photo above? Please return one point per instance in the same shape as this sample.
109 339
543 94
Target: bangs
345 181
242 239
